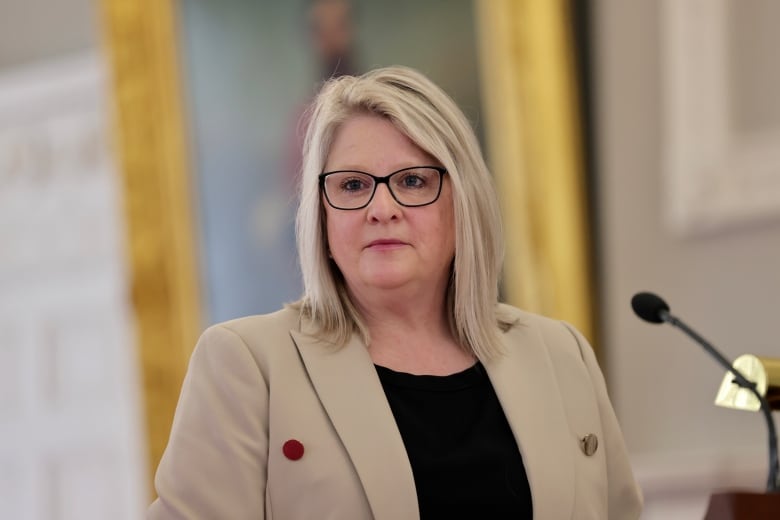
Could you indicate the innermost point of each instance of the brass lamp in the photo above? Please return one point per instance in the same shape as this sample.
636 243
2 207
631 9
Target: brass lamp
764 372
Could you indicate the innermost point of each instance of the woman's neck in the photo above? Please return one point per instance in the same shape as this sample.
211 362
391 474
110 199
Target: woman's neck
413 336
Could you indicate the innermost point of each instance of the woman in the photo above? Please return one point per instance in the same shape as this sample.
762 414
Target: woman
397 387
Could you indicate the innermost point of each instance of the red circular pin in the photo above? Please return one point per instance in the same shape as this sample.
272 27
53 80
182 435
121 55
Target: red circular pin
293 449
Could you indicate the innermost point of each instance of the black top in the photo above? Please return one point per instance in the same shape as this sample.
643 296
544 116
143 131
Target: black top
463 455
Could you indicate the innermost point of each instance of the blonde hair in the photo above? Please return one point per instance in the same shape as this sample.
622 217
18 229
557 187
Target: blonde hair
431 119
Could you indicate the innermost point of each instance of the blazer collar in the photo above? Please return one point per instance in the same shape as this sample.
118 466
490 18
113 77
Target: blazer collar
350 391
525 382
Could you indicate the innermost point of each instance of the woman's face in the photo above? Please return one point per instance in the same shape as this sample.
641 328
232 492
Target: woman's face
385 245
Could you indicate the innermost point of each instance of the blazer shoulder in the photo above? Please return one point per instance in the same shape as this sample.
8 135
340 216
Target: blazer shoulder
264 335
556 335
281 321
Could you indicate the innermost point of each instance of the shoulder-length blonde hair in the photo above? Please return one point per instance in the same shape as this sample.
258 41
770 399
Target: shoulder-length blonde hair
424 113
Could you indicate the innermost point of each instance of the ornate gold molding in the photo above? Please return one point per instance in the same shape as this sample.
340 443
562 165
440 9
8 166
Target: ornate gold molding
141 43
529 94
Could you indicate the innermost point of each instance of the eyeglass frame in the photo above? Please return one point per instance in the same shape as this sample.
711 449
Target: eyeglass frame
382 180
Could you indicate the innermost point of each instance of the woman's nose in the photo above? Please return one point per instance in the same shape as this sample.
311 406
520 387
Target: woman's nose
383 206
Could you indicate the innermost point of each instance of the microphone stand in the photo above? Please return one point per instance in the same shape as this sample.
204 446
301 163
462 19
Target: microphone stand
772 480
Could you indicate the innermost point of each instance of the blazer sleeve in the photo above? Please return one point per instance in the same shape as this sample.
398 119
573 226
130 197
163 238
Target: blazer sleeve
624 495
215 463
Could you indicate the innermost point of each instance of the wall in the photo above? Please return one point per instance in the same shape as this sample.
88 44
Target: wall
724 283
34 30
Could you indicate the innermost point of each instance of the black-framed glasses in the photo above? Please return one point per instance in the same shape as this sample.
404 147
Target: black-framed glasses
410 187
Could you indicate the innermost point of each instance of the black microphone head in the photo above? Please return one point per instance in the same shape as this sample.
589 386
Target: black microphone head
649 306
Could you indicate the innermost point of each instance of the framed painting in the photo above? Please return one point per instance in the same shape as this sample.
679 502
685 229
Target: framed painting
209 98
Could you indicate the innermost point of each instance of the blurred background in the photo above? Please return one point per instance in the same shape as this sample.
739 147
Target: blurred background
148 165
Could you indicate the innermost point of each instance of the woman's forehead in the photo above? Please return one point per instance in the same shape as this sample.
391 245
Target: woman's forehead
368 141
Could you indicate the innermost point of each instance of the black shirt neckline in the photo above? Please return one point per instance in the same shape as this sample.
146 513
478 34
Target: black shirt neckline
472 376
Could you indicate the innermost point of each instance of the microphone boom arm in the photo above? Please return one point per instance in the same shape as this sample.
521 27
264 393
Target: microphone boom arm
772 484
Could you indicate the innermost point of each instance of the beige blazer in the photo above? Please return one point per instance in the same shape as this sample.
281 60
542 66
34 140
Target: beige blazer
257 382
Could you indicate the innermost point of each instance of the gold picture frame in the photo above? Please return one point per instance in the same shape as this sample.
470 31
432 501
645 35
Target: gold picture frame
150 142
533 139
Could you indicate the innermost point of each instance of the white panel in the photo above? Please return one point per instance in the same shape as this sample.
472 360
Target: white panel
78 359
716 175
11 489
86 483
56 184
10 372
70 425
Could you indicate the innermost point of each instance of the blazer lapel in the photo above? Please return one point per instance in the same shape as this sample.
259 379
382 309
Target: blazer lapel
350 391
525 383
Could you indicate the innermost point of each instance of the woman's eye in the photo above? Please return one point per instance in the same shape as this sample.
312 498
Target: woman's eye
353 185
413 181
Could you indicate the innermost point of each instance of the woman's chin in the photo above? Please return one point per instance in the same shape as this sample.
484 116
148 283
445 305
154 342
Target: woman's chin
387 283
386 279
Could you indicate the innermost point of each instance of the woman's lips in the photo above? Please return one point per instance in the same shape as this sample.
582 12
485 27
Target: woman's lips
385 243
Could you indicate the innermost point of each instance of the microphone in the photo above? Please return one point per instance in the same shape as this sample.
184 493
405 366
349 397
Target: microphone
654 309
